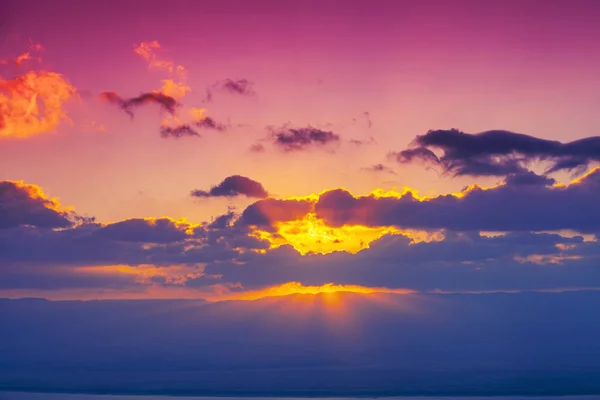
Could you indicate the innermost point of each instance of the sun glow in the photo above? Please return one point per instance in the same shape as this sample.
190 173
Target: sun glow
291 288
311 235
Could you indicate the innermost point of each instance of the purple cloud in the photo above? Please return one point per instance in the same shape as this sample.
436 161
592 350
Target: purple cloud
210 123
498 152
178 131
167 103
235 185
26 205
299 139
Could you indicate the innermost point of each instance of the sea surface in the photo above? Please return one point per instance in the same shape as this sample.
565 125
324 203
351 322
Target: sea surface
64 396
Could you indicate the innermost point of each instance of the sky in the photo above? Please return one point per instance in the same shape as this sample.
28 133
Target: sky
235 150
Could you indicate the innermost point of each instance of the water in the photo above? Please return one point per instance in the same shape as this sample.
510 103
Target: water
63 396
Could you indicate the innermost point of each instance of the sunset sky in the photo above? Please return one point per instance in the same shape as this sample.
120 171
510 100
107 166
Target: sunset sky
238 149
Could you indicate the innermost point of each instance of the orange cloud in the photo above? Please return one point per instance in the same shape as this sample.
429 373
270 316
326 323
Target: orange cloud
35 192
174 89
148 274
174 86
33 102
147 51
32 54
544 259
23 57
95 126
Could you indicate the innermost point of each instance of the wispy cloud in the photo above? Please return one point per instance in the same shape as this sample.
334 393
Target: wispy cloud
257 148
298 139
178 131
167 103
379 168
240 87
174 88
210 123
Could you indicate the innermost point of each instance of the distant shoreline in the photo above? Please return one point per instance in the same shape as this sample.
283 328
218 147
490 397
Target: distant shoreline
296 395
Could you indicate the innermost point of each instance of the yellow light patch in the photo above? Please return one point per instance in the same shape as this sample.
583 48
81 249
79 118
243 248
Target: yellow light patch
312 235
290 288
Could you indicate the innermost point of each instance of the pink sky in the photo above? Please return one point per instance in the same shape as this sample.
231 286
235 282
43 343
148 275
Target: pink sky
424 196
413 66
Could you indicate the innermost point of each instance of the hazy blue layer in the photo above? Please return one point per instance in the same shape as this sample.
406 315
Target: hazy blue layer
397 345
62 396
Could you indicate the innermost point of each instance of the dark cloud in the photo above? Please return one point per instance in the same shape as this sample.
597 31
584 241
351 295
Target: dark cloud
209 123
167 103
264 213
415 155
49 277
257 148
242 87
359 142
524 202
368 118
42 247
379 168
224 251
460 262
297 139
224 233
162 230
170 105
209 96
238 86
58 249
235 185
35 258
225 220
498 152
40 258
508 207
187 129
23 204
178 131
529 178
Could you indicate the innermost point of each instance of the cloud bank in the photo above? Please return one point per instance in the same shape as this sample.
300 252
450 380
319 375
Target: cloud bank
45 246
